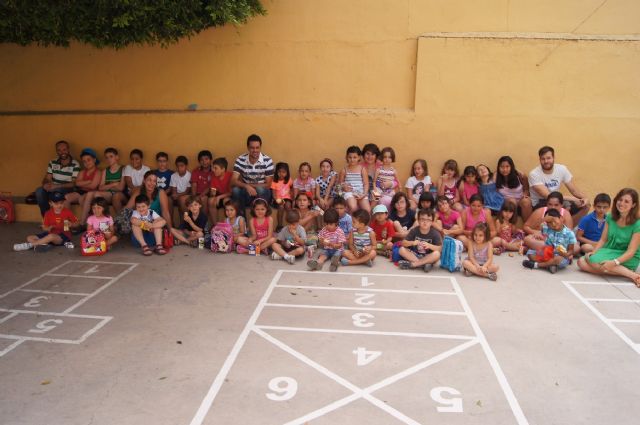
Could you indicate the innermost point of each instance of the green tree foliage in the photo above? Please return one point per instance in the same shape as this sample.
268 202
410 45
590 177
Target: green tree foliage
116 23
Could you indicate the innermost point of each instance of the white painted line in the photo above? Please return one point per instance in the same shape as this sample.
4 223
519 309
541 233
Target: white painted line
47 313
614 328
102 288
624 320
11 347
364 308
7 317
34 279
359 289
79 276
502 380
55 292
95 329
231 358
336 378
102 262
354 332
33 338
573 282
612 300
404 276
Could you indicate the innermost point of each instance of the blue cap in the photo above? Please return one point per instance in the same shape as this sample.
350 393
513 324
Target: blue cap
90 152
56 197
380 208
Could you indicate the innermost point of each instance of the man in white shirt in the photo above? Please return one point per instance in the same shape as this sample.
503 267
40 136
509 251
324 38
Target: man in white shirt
549 177
252 174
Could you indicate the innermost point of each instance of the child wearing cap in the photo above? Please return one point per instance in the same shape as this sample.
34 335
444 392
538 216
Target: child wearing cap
56 225
384 230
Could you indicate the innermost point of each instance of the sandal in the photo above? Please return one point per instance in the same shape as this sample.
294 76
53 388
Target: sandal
160 250
146 251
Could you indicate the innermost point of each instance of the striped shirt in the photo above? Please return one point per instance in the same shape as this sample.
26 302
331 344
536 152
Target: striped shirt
254 173
336 236
63 173
362 240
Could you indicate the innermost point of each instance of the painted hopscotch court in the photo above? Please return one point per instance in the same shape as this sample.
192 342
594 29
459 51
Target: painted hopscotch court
371 348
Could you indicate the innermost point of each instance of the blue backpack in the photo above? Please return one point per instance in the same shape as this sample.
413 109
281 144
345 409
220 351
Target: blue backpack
451 256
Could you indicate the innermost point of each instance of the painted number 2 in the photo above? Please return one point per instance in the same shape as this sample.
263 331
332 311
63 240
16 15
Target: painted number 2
449 405
365 357
364 299
360 320
283 387
45 326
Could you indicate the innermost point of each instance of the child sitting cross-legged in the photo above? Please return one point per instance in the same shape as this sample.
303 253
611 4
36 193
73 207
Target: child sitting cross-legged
146 227
480 249
193 223
559 242
422 246
291 240
384 230
332 240
362 241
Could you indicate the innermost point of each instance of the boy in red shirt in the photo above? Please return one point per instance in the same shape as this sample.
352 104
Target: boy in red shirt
201 178
220 188
383 227
57 224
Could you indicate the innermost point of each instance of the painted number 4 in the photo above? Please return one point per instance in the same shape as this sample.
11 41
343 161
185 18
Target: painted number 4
283 387
365 357
449 405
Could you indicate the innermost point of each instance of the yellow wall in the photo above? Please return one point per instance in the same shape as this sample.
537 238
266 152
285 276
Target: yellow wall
313 77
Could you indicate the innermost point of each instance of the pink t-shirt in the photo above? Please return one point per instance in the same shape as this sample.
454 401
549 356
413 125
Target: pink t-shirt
100 223
283 190
448 222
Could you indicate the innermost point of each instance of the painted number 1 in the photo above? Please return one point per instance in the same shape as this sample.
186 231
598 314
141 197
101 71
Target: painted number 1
283 387
449 405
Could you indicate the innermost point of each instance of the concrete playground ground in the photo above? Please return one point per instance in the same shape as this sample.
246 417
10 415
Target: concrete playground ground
197 338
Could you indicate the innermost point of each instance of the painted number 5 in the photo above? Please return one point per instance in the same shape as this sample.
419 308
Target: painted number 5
360 320
45 326
283 387
449 405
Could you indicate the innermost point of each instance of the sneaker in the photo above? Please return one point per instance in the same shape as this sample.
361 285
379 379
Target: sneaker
492 276
404 264
335 262
275 256
291 259
427 268
42 248
22 246
466 272
369 263
553 269
344 261
529 264
312 264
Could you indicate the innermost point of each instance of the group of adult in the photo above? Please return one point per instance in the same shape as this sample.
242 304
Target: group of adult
615 254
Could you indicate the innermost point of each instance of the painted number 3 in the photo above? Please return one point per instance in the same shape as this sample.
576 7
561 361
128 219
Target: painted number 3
449 405
283 387
360 320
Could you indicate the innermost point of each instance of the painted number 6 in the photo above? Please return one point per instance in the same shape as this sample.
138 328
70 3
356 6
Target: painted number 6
283 387
450 405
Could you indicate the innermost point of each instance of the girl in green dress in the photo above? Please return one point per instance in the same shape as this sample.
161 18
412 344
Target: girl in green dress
617 251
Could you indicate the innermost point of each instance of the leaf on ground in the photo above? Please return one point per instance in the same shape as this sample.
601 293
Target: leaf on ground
45 382
161 378
479 403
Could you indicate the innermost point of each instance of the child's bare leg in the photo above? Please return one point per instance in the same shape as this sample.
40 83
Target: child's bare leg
352 204
277 248
267 243
586 247
179 235
157 233
430 258
512 246
365 204
364 258
296 252
241 240
408 255
213 211
468 265
137 233
182 203
463 239
112 240
556 260
321 259
118 201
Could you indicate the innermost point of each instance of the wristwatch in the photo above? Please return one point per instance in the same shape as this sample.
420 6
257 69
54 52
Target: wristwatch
615 260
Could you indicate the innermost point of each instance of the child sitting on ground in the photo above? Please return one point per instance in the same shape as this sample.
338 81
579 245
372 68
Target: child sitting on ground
362 241
180 184
509 237
56 225
383 227
344 218
291 240
101 220
220 189
332 240
422 246
239 226
480 250
558 250
281 188
146 227
401 215
261 225
193 223
591 226
418 183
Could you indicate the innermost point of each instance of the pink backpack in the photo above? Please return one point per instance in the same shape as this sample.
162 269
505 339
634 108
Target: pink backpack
92 242
222 237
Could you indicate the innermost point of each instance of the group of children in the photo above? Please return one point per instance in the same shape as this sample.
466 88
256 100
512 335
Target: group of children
351 216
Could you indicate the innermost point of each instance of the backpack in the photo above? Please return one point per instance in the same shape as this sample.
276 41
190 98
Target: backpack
395 253
222 237
7 210
451 257
92 242
122 221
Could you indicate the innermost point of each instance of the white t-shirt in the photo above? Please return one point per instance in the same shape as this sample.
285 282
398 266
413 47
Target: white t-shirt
559 175
416 186
181 183
149 218
137 176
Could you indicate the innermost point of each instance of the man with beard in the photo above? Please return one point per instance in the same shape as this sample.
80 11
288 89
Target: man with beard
252 174
548 177
61 176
